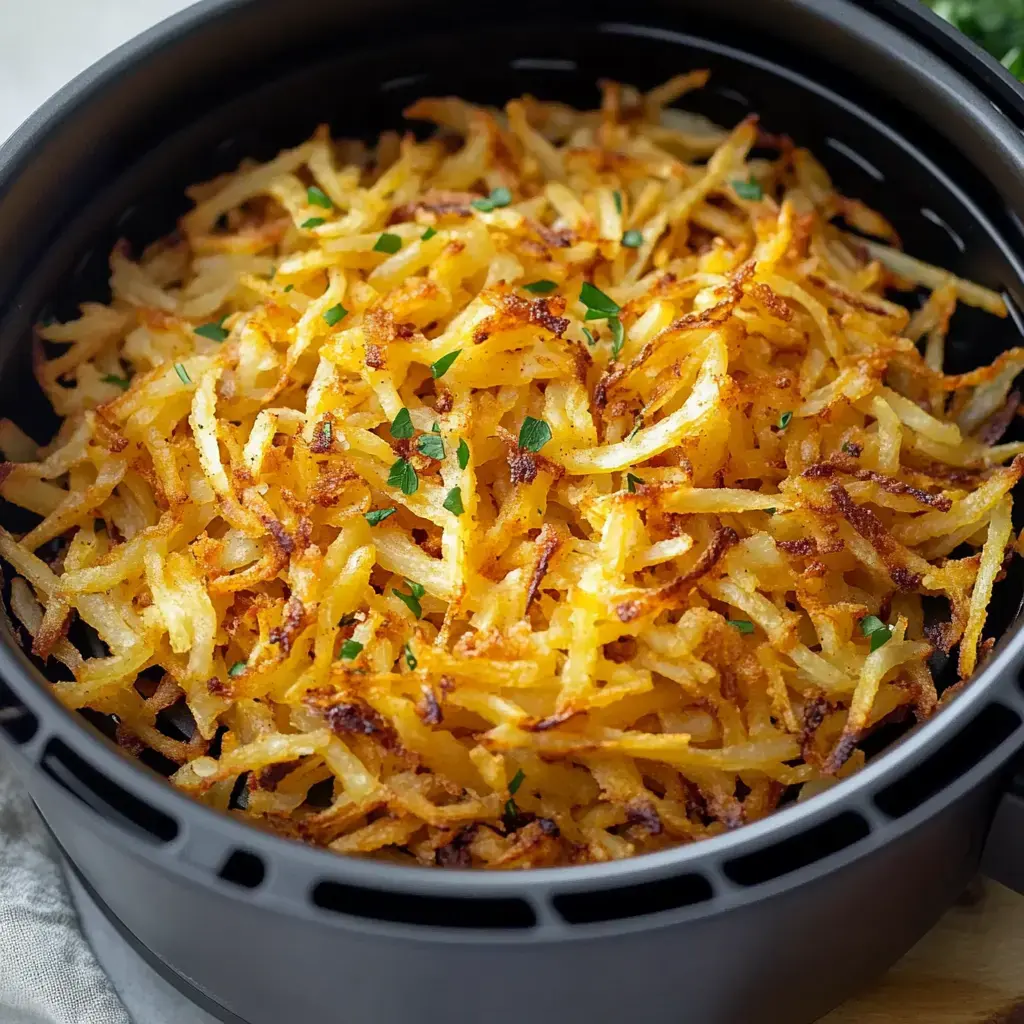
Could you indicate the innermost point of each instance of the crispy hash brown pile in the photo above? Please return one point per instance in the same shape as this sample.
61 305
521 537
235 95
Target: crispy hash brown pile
558 489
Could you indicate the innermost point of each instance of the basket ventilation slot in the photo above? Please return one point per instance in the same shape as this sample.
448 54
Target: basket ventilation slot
244 869
428 911
798 851
104 796
975 741
633 900
16 721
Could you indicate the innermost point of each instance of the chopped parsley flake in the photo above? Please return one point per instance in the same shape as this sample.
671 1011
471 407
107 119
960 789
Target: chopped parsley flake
428 235
599 306
743 625
631 482
430 445
214 330
335 314
444 364
403 476
179 369
378 515
350 649
312 222
748 189
618 336
122 382
388 243
317 197
401 425
463 453
540 287
633 239
784 420
453 501
534 434
237 669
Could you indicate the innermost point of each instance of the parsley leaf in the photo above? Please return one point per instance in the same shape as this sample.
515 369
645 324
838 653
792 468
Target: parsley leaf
378 515
591 340
403 476
784 420
122 382
388 243
237 669
350 649
748 189
439 368
430 445
499 197
463 453
516 782
401 425
179 369
617 199
880 638
334 314
288 288
633 239
213 330
618 336
317 197
410 658
534 434
412 599
540 287
871 624
453 501
743 625
312 222
632 481
599 306
428 235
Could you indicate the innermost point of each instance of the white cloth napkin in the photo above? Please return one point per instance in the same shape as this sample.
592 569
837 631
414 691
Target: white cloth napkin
48 974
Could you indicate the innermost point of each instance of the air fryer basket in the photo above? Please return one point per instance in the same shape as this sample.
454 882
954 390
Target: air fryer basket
776 922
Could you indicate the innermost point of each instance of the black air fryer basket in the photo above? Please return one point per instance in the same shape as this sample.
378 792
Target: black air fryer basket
775 922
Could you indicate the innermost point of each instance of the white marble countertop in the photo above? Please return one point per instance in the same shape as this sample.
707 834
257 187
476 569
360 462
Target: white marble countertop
44 43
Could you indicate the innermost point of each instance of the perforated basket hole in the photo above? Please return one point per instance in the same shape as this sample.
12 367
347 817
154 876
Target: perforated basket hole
633 900
244 869
798 851
16 721
428 911
103 795
990 727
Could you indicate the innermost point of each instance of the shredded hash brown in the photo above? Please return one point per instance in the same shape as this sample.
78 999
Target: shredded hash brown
557 489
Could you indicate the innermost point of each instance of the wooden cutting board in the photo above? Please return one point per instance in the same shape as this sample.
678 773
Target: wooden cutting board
968 970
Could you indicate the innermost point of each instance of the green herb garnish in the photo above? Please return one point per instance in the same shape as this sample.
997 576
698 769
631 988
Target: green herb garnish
748 189
410 658
540 287
317 197
412 599
517 781
312 222
498 197
350 649
617 199
430 445
599 306
633 239
335 314
591 340
743 625
179 369
403 476
534 434
378 515
453 501
213 330
401 425
618 336
122 382
439 368
428 235
462 454
631 482
237 669
784 420
388 243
